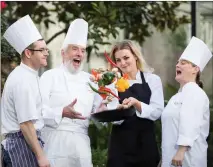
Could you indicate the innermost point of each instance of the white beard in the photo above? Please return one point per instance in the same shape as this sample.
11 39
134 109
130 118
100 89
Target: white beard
72 69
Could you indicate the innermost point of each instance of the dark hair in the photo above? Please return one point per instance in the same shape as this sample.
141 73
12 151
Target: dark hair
31 46
198 81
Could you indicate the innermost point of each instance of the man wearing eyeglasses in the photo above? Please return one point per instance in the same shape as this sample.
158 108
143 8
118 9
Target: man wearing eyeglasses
21 99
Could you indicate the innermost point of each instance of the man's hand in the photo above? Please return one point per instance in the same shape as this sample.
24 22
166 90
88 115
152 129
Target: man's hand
43 161
70 112
102 107
177 160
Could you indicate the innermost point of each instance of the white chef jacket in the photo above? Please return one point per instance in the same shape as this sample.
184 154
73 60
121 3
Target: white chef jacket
59 88
153 110
185 122
21 100
66 140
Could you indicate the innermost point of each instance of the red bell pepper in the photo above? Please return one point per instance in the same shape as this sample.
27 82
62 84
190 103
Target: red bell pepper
103 91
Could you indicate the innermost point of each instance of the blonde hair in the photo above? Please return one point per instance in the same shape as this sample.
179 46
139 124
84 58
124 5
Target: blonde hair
127 44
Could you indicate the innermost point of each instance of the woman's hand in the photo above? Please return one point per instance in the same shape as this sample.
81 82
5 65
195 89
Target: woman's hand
131 101
177 160
121 106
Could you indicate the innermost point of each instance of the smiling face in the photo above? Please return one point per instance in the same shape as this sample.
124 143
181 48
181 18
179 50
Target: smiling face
126 61
40 57
128 58
73 57
186 72
36 54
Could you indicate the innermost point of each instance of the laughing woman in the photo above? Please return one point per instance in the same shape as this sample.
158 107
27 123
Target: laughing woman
185 120
132 143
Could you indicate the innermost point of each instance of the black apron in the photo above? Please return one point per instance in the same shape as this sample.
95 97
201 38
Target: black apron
133 143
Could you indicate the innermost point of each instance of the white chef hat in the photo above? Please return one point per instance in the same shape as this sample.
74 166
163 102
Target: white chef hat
197 52
77 33
22 33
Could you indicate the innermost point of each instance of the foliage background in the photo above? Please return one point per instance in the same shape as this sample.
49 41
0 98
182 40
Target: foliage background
104 18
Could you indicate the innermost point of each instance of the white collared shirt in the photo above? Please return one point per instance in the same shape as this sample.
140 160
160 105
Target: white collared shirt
154 109
21 100
185 122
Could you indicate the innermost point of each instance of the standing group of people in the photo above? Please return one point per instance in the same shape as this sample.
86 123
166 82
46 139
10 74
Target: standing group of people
45 120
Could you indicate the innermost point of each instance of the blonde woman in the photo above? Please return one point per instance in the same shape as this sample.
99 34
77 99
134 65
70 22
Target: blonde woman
132 142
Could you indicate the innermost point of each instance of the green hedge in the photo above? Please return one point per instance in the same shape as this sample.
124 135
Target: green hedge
99 135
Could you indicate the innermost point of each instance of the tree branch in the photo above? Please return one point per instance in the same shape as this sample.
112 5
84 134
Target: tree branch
56 34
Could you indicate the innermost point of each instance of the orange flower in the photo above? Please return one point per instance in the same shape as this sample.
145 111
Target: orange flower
125 76
95 74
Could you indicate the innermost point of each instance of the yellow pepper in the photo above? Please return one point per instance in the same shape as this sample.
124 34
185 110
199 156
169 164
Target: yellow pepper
122 84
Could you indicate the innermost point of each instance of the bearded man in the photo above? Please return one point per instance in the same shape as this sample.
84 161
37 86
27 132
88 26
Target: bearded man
68 103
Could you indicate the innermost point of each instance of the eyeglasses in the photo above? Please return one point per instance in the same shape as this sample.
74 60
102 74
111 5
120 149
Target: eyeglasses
43 50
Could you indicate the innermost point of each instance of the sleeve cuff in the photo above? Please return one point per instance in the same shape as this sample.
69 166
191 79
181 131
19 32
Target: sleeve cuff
185 141
32 118
145 113
53 117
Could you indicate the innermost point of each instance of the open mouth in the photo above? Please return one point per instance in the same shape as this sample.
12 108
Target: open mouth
178 72
77 61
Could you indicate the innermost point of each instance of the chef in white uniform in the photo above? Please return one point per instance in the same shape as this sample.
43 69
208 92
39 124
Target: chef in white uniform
68 103
21 100
185 120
